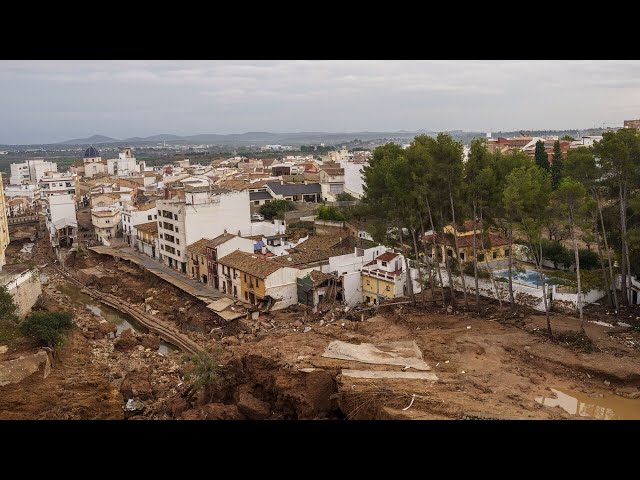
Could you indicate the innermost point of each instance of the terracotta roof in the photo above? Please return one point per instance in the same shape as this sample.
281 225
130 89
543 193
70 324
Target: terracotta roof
220 239
333 170
316 249
387 257
254 265
146 206
319 277
199 247
149 227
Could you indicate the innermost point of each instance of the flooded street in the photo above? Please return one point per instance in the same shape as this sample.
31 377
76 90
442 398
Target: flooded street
607 407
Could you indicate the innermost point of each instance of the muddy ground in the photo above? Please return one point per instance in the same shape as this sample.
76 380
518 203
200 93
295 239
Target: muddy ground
489 365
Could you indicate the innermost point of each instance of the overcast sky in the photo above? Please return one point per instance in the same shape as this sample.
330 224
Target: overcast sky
50 101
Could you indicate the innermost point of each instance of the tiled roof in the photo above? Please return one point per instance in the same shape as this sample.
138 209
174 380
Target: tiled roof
146 206
199 247
252 264
387 257
220 239
259 196
316 249
149 227
319 277
294 188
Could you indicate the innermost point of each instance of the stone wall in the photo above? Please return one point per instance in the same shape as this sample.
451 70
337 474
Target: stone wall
25 289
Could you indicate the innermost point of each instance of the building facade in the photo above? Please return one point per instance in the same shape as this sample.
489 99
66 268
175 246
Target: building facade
134 216
383 278
147 238
202 213
221 246
30 171
106 223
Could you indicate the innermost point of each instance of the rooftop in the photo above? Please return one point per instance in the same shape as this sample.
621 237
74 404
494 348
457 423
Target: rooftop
220 239
252 264
387 257
149 227
199 247
294 188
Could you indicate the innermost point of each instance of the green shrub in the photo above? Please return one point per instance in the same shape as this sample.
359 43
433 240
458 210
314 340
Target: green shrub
8 307
203 371
328 212
47 327
275 208
345 197
468 270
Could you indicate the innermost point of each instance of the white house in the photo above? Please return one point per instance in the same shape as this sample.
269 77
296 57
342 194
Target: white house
136 215
30 171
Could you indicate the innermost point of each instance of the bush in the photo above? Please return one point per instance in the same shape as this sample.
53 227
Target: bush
275 208
468 270
589 260
345 197
8 307
326 212
203 371
47 327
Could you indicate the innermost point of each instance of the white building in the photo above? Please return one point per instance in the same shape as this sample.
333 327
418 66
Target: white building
136 215
340 156
106 223
31 191
57 184
93 163
586 141
125 165
203 213
30 171
62 222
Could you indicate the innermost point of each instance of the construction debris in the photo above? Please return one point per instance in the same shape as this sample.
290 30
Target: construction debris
401 353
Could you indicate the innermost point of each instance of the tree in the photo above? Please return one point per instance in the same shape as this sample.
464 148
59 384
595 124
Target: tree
48 328
345 197
542 159
568 138
571 196
526 197
276 208
556 165
8 307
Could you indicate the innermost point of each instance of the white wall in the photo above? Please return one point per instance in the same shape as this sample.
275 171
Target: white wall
352 285
351 263
231 213
62 206
236 243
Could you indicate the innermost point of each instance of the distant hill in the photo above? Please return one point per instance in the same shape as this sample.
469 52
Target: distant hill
93 140
304 138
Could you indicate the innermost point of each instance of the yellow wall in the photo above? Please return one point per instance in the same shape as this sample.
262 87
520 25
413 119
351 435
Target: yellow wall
201 267
468 252
376 288
258 291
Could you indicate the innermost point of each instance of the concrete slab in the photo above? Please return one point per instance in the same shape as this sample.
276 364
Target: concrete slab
405 354
387 374
220 304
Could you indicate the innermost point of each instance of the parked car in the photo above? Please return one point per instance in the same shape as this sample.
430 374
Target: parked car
256 217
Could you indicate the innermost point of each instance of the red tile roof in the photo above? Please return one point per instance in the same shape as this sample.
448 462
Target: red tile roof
387 257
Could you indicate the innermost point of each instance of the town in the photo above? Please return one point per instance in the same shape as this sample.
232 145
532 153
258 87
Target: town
442 276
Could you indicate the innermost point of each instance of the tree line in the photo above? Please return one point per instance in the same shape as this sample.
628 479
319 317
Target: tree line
588 195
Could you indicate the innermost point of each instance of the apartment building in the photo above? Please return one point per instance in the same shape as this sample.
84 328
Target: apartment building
106 223
132 216
203 212
30 171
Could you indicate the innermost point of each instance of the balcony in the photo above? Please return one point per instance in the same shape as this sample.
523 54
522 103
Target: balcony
381 275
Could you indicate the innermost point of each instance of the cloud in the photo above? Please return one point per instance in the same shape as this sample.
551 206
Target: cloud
137 98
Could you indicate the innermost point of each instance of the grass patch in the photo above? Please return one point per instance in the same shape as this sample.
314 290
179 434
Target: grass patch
9 332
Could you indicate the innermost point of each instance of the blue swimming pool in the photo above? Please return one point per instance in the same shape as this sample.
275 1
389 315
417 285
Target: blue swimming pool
528 277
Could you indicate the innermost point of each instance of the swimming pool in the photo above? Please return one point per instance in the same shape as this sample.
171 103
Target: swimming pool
527 277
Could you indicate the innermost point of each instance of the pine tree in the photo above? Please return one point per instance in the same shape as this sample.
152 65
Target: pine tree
542 160
556 166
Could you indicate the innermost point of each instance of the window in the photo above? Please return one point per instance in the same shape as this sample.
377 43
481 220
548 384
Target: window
155 217
368 282
235 291
175 216
481 257
245 278
384 264
495 254
178 241
461 255
177 231
257 283
246 295
149 217
161 246
256 202
107 221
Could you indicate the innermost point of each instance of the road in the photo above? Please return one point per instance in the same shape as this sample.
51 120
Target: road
177 279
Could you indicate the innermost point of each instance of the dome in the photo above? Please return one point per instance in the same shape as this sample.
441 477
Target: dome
91 152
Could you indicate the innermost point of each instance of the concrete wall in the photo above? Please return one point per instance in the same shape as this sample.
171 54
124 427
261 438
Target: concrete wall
282 284
236 243
25 289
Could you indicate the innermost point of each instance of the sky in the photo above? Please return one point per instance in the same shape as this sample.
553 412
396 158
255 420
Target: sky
51 101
